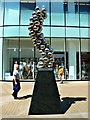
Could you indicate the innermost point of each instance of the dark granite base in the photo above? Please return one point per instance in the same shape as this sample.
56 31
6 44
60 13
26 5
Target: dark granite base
45 98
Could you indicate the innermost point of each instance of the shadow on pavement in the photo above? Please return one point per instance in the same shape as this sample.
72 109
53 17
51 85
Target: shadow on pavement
68 101
65 104
24 97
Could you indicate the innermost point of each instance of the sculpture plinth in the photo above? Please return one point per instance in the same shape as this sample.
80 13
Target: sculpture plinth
45 98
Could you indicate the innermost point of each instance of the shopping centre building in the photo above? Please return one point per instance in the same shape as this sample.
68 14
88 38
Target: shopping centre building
66 29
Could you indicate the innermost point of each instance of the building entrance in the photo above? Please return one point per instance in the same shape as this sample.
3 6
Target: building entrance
85 60
60 62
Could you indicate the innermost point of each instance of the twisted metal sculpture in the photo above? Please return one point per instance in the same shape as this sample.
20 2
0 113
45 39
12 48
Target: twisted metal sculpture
35 27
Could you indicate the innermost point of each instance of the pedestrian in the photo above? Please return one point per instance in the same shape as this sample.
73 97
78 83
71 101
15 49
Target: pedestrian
16 82
56 72
60 73
27 73
21 70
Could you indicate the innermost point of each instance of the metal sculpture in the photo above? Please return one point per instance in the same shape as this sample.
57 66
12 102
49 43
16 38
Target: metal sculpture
46 99
35 27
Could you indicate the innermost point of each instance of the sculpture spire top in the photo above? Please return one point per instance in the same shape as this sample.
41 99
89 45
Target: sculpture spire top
36 21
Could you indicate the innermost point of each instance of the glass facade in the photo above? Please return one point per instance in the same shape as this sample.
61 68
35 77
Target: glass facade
11 14
66 29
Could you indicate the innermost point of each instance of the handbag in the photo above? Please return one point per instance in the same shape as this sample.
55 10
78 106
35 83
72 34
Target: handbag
16 88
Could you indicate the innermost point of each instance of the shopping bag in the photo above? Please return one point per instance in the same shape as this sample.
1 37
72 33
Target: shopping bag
16 88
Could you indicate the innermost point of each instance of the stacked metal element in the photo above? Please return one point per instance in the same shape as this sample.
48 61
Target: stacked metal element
36 21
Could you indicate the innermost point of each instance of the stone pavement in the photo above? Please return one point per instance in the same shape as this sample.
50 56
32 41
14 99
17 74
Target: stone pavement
73 94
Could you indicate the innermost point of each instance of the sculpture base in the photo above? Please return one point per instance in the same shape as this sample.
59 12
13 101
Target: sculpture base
45 98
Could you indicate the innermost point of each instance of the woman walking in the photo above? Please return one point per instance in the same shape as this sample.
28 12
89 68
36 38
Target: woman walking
16 82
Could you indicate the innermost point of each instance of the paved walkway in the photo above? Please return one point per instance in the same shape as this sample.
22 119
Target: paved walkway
73 94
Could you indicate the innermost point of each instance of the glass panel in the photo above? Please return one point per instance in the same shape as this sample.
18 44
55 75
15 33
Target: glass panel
71 7
57 32
46 31
11 13
57 15
57 44
84 13
46 5
84 32
1 12
11 31
26 59
73 58
88 32
84 19
85 52
72 32
72 18
1 31
1 54
89 19
84 7
26 12
59 54
10 56
24 31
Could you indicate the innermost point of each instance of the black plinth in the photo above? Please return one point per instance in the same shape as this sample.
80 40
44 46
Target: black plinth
45 98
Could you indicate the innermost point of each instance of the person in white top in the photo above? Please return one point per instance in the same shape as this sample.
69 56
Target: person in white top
16 82
15 65
21 70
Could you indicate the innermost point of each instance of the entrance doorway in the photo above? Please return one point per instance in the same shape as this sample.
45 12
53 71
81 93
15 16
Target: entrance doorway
60 61
85 61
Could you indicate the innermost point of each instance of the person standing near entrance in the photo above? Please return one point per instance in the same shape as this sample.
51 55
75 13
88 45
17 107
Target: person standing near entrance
61 73
16 82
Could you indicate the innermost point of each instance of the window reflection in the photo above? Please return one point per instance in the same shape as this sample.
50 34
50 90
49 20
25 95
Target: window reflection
84 19
84 9
57 13
24 31
85 59
11 13
72 21
58 32
72 32
26 12
72 46
84 32
72 17
1 31
11 31
85 64
1 12
10 51
26 70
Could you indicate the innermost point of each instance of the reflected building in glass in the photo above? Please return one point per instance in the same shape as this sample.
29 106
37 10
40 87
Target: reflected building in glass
66 29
